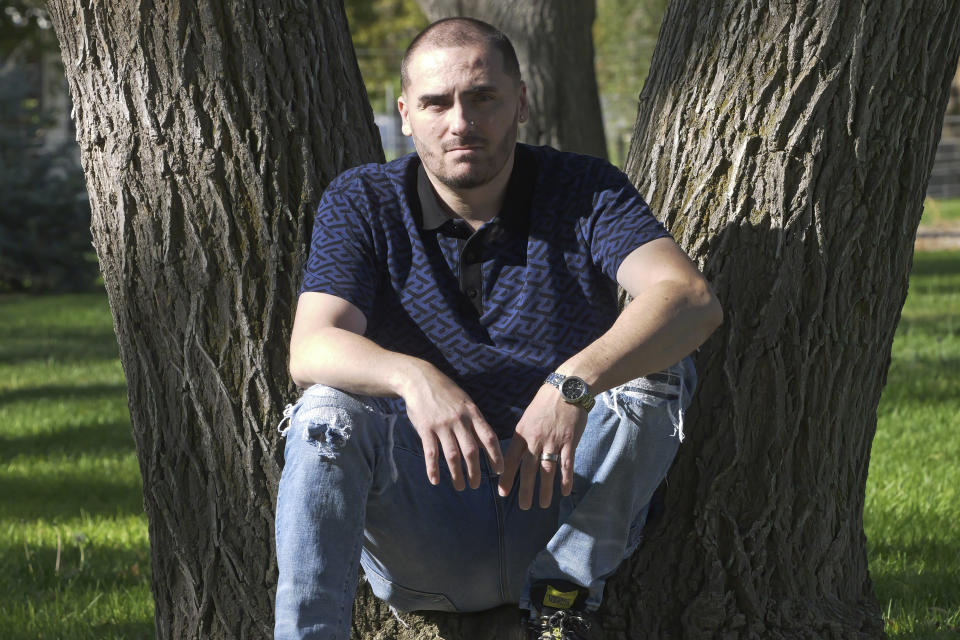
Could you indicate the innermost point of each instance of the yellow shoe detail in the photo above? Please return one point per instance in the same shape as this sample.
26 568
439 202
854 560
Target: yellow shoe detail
559 599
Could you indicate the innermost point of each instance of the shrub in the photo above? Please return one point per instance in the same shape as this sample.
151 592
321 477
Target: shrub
44 211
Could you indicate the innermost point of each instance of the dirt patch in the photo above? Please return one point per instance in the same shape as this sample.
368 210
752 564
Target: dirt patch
939 237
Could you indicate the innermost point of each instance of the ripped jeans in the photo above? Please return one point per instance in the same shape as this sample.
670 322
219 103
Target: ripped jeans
354 493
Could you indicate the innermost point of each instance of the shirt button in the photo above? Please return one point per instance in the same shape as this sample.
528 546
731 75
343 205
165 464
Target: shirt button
472 293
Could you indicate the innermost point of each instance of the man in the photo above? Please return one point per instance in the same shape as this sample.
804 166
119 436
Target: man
460 303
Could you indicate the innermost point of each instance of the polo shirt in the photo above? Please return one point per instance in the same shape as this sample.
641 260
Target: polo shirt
495 309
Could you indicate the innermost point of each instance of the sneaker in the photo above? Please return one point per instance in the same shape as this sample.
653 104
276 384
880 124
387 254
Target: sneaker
559 613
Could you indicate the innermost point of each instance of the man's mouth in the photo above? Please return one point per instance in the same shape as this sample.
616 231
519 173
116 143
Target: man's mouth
463 145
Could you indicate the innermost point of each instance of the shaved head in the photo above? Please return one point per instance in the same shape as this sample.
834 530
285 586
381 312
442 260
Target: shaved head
461 32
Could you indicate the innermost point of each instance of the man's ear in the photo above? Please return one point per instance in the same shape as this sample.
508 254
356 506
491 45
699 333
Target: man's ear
524 107
404 116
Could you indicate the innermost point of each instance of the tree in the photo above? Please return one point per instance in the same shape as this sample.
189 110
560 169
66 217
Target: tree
790 157
208 131
787 147
555 47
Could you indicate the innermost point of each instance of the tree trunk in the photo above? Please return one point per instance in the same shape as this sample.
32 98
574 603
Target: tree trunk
790 157
555 46
208 131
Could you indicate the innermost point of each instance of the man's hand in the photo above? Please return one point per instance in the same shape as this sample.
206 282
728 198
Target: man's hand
441 411
549 425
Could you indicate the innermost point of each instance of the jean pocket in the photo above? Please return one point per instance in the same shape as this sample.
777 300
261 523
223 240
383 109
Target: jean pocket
404 599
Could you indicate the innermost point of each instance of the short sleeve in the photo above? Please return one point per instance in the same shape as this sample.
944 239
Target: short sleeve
621 221
342 259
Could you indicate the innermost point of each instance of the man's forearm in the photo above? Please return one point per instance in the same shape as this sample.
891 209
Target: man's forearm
444 416
657 329
352 363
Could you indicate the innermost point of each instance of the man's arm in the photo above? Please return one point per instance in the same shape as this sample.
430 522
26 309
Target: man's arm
327 346
673 311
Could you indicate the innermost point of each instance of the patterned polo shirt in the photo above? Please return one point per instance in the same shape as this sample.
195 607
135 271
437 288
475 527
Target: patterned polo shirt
496 309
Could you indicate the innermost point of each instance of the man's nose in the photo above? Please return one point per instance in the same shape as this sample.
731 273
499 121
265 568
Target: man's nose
461 120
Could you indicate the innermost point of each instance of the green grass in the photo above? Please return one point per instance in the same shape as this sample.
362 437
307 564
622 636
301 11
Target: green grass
940 212
70 488
74 553
912 514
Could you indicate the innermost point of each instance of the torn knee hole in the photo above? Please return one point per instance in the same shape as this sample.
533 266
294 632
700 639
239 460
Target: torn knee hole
327 428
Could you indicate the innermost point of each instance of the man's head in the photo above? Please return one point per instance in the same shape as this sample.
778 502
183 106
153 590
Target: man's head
462 99
462 32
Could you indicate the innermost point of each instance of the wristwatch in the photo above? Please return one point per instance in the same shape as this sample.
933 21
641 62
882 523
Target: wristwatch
572 389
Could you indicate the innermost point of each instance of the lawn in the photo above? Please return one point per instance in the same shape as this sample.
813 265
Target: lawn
74 554
912 514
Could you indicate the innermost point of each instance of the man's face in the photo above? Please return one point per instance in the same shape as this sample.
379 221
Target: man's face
462 110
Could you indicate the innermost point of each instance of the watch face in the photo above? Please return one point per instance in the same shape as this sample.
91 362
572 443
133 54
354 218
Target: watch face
573 389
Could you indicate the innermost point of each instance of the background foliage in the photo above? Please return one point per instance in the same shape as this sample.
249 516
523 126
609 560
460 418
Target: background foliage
44 213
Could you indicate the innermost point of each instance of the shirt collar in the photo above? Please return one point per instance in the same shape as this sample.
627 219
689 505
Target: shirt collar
514 213
433 215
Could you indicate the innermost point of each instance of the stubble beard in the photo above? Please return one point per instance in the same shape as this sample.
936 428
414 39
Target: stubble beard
480 173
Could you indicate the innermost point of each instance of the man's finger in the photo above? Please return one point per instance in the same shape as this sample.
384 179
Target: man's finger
548 470
430 458
488 439
566 468
511 463
528 479
451 451
471 454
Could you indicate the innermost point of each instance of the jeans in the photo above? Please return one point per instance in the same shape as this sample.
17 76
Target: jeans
354 493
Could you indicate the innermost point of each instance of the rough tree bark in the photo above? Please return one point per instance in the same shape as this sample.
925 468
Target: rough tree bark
208 131
790 157
555 46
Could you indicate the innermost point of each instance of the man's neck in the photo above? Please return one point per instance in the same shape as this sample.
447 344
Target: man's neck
479 204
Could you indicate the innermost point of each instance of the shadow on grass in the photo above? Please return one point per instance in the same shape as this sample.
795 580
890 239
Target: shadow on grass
31 569
107 439
62 598
908 380
106 631
930 326
935 263
62 497
23 344
125 630
919 580
62 392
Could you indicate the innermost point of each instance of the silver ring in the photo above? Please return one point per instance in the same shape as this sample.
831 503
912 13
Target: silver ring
549 457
